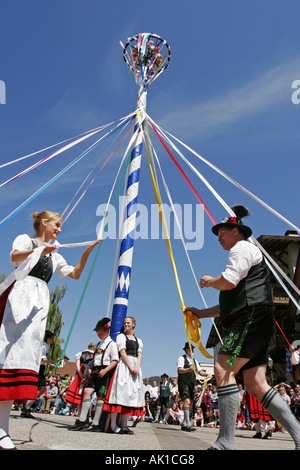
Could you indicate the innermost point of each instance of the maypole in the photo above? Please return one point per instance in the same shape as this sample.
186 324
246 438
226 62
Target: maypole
143 54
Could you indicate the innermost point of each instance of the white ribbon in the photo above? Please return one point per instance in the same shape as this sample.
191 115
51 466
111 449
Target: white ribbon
28 264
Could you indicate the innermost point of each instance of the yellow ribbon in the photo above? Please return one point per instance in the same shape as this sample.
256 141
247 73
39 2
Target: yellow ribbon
206 380
193 329
192 323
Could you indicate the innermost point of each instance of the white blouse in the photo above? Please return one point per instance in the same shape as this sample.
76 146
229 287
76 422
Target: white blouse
121 343
24 243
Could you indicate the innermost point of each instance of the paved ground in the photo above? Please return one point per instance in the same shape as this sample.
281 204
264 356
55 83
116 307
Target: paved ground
50 432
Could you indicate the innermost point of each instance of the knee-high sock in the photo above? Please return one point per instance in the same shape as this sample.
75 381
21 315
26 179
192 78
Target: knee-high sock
123 421
97 414
113 420
279 409
85 408
186 415
29 404
5 407
229 402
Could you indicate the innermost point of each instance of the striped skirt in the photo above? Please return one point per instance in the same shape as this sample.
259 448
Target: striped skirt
256 410
18 384
75 391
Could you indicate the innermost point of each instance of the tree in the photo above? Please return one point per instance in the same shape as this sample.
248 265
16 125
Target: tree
54 322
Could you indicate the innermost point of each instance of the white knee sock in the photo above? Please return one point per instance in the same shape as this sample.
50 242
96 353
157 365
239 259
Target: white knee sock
5 408
229 402
279 409
85 408
123 421
97 414
113 420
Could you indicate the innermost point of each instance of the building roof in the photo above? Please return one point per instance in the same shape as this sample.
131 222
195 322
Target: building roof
68 368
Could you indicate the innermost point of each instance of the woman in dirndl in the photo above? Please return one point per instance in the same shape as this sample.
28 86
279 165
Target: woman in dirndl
126 396
24 306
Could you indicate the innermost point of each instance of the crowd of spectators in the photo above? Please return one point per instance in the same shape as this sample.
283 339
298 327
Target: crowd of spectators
205 410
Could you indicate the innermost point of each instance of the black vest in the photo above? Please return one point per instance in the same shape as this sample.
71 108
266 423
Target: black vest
132 346
86 357
43 268
189 377
253 290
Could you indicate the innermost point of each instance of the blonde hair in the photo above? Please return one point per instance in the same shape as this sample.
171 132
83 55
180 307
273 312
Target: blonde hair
44 215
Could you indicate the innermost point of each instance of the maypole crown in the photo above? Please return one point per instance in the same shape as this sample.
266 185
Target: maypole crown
147 55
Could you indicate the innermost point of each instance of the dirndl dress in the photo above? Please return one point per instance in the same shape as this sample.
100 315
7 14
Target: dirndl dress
125 394
256 410
24 321
74 393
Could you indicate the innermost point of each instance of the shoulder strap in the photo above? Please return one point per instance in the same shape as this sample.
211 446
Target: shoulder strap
104 352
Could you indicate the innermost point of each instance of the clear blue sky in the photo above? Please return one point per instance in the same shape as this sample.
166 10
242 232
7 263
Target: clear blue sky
227 94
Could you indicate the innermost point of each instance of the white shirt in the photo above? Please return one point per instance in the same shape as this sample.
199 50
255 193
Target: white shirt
154 392
45 350
241 258
180 363
111 353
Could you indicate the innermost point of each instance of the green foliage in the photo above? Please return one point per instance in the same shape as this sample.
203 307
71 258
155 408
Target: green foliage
55 323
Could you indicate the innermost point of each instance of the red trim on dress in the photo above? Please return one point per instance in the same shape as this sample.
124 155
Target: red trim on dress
3 299
18 384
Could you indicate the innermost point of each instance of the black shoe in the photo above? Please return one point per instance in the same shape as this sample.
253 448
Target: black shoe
92 428
79 425
26 414
127 431
190 429
268 434
257 435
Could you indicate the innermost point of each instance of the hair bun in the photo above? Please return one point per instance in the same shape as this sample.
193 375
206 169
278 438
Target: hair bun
35 215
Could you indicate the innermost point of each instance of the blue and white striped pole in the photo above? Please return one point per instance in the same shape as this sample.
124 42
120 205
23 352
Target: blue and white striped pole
128 233
146 63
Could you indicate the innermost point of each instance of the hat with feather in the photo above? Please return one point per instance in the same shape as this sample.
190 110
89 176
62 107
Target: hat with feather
102 324
232 222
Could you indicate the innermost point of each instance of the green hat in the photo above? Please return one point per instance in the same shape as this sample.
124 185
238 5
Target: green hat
102 324
232 222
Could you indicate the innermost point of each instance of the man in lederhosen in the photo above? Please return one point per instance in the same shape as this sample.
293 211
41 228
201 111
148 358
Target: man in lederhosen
246 313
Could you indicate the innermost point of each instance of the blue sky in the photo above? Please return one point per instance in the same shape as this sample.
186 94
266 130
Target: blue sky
226 94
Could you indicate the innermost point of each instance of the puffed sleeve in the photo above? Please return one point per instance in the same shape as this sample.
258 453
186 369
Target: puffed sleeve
78 356
295 359
140 344
121 342
61 266
114 355
21 243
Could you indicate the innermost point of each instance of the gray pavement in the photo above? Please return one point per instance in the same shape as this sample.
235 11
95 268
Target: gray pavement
50 432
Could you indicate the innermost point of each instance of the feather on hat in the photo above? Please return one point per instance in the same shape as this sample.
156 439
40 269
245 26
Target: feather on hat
240 212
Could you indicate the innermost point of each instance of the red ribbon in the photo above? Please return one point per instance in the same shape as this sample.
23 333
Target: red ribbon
184 175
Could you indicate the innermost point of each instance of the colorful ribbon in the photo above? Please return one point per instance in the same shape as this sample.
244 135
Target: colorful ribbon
195 337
